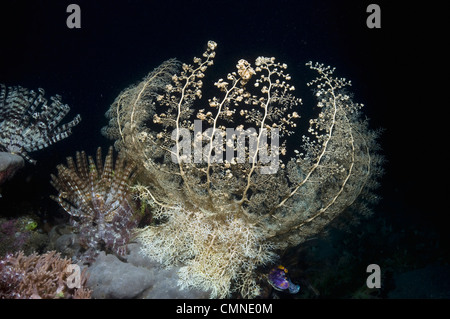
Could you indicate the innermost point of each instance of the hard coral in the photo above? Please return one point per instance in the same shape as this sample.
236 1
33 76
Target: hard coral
39 277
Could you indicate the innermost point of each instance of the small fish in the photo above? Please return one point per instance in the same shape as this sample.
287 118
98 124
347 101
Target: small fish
279 280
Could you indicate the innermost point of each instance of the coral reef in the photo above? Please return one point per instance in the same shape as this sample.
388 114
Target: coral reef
39 277
224 201
97 197
28 123
20 234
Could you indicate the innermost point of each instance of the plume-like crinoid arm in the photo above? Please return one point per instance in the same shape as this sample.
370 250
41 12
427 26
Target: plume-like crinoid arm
97 197
28 123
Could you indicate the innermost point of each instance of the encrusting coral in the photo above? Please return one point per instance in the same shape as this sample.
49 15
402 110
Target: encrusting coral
20 234
224 200
97 197
46 276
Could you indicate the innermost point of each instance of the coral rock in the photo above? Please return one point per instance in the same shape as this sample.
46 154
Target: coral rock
9 165
109 277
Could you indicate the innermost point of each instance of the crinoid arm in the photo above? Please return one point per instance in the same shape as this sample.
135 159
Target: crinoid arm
28 122
96 194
